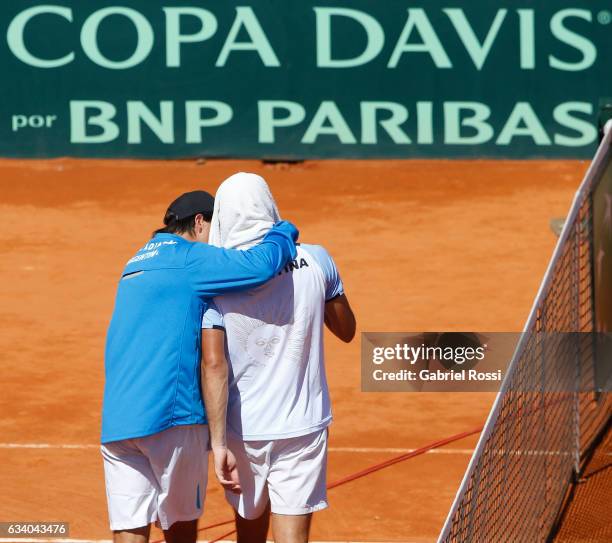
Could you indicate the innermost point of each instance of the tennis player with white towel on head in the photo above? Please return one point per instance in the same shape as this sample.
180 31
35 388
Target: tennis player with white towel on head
278 406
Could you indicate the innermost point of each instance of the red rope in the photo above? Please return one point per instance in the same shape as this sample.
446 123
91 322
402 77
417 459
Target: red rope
402 457
363 473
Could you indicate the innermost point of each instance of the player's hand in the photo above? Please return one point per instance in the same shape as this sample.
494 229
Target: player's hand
288 228
226 469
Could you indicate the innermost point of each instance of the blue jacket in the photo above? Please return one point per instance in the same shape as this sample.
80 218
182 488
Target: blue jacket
153 346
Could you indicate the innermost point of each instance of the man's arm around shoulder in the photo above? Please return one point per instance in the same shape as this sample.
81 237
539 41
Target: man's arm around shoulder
214 271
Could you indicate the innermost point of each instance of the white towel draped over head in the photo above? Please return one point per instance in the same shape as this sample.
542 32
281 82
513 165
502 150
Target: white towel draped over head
244 212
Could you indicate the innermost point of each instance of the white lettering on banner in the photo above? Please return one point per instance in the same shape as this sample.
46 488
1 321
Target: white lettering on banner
174 37
19 122
587 132
458 117
418 36
144 43
571 38
138 113
462 123
454 122
246 18
195 122
374 33
424 123
392 124
79 121
328 120
477 51
418 20
269 121
163 127
14 36
527 38
523 121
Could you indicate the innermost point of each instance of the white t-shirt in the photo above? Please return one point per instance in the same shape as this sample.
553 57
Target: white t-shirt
277 384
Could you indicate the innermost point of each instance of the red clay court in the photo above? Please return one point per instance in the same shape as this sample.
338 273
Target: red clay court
421 245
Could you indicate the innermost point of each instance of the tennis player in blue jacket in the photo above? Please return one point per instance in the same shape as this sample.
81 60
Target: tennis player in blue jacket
154 434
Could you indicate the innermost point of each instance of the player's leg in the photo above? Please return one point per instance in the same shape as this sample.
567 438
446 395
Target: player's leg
131 491
179 459
252 505
297 485
291 528
253 530
182 532
137 535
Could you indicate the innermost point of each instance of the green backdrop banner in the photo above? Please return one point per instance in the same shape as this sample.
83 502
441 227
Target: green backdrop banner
291 79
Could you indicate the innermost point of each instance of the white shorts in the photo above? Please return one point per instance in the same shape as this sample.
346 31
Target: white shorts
158 478
290 473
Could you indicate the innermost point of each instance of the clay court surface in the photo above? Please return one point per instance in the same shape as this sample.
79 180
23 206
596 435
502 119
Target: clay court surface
586 516
421 245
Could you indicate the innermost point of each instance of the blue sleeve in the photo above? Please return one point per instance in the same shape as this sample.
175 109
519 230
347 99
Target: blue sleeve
213 271
333 283
212 317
